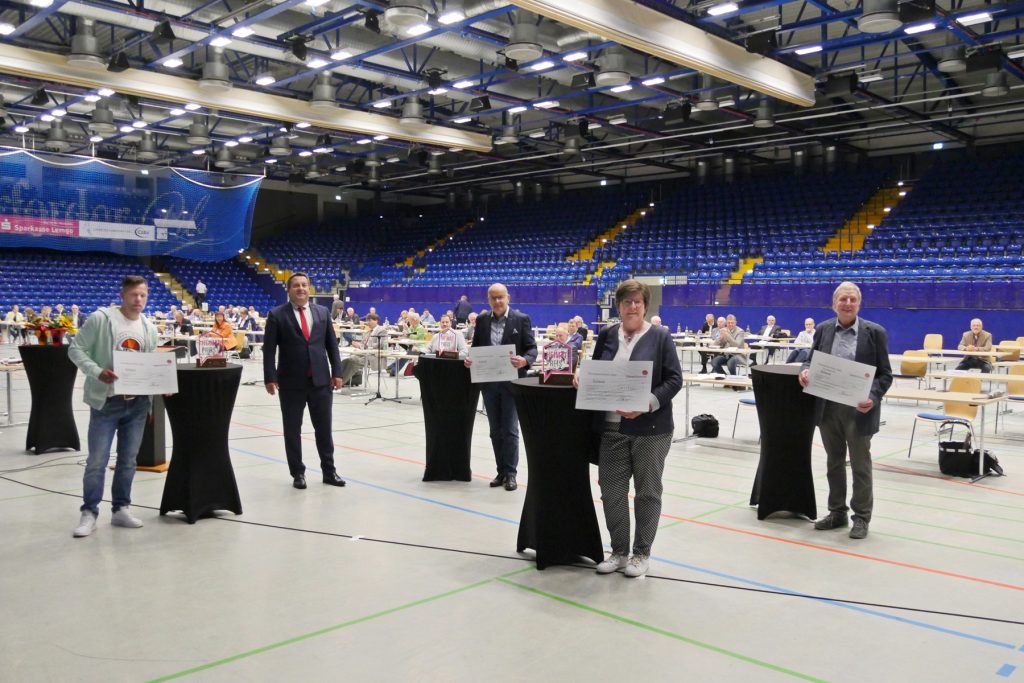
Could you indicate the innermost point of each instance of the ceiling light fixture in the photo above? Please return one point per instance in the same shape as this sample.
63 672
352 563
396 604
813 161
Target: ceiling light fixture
974 18
919 28
6 28
723 8
266 78
245 138
47 118
808 49
317 62
480 103
546 104
437 91
574 56
302 124
95 138
459 85
625 87
339 55
177 111
163 33
383 104
463 119
363 141
220 41
92 97
380 138
417 30
451 16
243 32
540 66
517 109
21 129
1016 54
104 92
172 62
191 106
657 80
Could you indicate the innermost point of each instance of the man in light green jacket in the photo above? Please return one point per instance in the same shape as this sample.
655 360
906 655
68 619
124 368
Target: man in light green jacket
116 328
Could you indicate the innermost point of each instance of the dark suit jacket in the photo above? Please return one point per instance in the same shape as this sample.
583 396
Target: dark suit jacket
872 349
775 332
666 380
287 356
518 331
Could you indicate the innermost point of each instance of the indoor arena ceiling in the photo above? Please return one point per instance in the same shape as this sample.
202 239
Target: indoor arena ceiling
434 96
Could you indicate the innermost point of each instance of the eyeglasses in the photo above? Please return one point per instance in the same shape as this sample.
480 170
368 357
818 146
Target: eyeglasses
631 302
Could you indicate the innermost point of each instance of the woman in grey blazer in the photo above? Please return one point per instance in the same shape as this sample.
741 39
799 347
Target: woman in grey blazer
634 444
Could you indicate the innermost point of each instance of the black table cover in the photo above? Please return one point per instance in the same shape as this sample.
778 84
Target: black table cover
51 381
449 412
153 449
558 519
200 479
786 416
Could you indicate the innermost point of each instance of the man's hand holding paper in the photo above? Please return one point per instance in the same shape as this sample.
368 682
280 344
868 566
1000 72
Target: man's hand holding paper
840 380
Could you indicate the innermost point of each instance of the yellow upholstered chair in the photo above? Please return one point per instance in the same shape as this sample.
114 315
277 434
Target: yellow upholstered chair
933 342
952 411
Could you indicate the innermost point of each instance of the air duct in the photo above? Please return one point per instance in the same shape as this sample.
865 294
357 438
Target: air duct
507 136
434 165
995 85
373 180
102 120
405 13
215 76
57 138
879 16
147 149
613 67
372 160
280 147
953 60
412 112
765 116
571 148
523 45
224 158
198 133
323 92
707 101
313 173
85 49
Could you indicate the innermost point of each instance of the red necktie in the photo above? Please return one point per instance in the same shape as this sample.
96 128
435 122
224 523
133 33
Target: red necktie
305 326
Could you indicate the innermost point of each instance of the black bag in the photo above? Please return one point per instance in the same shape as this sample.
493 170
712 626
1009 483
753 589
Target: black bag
705 425
958 459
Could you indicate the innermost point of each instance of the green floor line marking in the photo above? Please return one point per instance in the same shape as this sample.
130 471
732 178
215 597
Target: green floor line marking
329 629
730 506
952 529
950 546
944 496
671 524
663 632
702 486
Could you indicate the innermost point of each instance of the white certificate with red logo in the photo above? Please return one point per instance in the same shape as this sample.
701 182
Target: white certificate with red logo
837 379
615 385
145 374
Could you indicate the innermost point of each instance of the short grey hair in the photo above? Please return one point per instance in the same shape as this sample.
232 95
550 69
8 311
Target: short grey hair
978 320
846 287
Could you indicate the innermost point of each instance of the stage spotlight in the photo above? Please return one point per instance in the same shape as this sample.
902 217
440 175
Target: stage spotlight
686 109
584 127
583 80
299 48
480 103
163 33
372 21
511 64
434 79
761 43
118 62
40 98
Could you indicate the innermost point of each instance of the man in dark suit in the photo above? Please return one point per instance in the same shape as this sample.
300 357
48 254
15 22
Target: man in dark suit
462 310
841 426
298 343
771 331
502 325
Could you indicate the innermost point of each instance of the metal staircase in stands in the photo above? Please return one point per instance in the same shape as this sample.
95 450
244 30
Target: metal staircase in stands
586 253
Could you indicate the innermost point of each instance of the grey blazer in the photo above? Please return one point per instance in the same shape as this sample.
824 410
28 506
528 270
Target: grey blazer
872 349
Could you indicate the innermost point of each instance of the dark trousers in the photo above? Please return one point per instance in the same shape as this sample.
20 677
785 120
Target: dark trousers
504 422
199 299
840 437
972 362
293 405
704 358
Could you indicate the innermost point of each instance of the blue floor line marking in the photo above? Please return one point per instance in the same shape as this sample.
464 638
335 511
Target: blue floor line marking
1005 670
423 499
702 570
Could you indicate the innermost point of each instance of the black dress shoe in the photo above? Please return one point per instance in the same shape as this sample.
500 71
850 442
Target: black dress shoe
510 483
299 481
497 481
333 479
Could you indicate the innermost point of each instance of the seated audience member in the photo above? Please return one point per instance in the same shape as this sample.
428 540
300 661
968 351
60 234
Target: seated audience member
656 321
222 328
180 327
562 335
337 307
76 317
729 338
415 329
582 328
403 321
772 331
248 323
975 339
714 334
350 318
447 339
196 315
707 328
426 318
30 316
231 315
575 338
806 336
58 311
13 321
46 313
470 326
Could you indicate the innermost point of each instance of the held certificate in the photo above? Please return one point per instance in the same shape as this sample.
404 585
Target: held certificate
615 385
492 364
143 374
839 380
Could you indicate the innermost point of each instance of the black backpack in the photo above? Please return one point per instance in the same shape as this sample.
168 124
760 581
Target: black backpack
705 425
958 459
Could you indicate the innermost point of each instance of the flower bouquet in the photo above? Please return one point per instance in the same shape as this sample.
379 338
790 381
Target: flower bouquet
51 332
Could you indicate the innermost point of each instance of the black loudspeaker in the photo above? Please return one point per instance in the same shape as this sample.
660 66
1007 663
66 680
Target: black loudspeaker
840 86
985 61
584 127
763 43
583 80
511 64
358 166
913 11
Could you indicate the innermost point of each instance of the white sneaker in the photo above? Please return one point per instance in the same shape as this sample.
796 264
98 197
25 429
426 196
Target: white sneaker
86 525
637 566
613 563
124 518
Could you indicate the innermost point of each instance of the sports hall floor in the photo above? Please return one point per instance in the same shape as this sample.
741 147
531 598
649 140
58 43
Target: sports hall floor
394 579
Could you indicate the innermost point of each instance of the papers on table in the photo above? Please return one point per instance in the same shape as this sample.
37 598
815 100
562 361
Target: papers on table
839 380
143 374
615 385
492 363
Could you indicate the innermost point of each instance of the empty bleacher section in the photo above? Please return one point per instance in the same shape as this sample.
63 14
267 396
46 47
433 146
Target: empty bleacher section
229 283
703 231
528 244
40 277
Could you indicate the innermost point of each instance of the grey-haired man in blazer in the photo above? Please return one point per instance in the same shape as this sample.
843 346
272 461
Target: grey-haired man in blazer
851 337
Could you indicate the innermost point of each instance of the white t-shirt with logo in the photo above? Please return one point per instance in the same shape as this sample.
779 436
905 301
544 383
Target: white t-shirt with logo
129 335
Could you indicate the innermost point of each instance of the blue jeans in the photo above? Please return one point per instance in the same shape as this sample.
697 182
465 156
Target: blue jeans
128 420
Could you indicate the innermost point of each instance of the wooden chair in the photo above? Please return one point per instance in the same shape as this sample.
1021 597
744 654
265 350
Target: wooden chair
913 369
952 411
1011 347
932 342
1014 390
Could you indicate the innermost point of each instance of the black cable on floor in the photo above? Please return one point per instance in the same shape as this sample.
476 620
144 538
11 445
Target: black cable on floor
694 582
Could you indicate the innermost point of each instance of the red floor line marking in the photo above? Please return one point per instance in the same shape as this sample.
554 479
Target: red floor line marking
948 479
848 553
358 450
712 525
